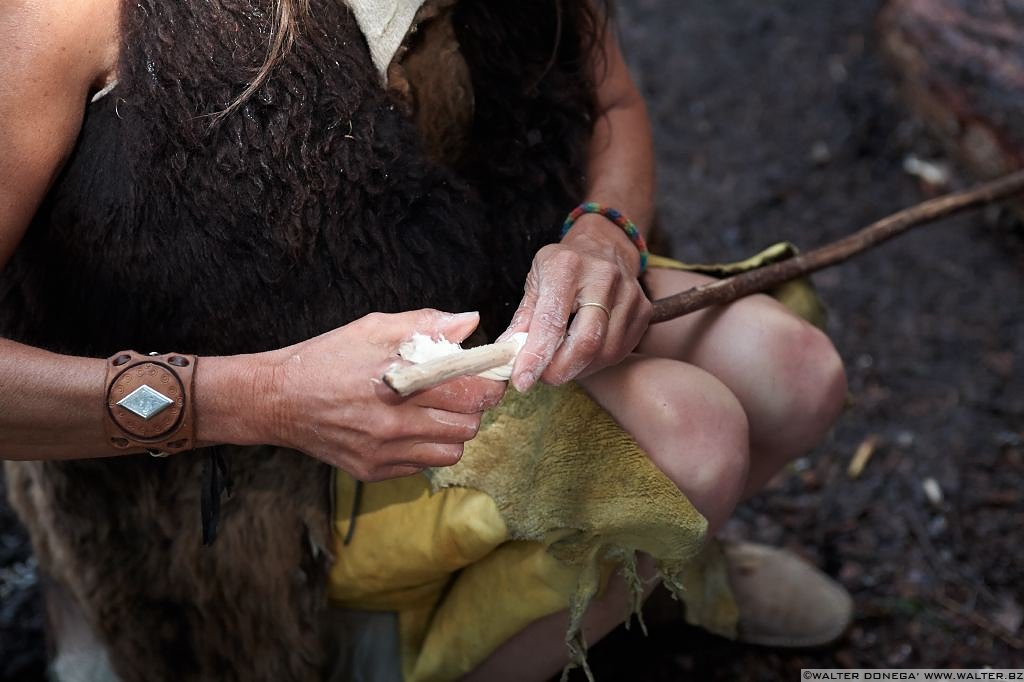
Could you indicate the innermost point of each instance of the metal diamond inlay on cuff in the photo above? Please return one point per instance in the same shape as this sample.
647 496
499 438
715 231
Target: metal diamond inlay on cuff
145 402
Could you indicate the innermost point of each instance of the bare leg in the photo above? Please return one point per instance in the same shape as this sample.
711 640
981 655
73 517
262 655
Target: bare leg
762 387
687 421
695 431
785 372
539 651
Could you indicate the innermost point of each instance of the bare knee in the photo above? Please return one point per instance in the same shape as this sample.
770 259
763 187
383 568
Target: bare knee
829 376
699 437
786 373
808 391
692 427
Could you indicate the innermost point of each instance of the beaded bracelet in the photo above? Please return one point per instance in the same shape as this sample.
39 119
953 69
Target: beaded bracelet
611 214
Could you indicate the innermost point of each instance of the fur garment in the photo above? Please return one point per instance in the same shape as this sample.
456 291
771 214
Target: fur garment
310 206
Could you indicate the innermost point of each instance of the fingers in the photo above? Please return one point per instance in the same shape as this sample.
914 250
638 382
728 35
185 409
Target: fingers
393 328
387 473
347 416
584 342
421 456
456 328
639 322
414 439
554 301
426 455
429 425
412 458
600 335
466 395
410 420
592 328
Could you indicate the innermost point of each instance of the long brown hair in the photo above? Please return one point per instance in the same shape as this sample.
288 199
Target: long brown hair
288 15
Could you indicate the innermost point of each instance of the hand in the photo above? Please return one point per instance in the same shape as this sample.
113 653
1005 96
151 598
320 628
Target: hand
330 402
594 263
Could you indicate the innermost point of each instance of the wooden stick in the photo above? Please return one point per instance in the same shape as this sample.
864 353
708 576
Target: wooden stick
407 380
729 289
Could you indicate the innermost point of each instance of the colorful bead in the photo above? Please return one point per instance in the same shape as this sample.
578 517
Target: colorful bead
616 217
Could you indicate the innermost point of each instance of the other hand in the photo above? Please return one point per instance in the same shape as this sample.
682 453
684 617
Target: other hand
594 263
329 401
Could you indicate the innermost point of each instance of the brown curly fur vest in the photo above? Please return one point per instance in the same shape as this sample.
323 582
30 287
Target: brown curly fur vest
312 205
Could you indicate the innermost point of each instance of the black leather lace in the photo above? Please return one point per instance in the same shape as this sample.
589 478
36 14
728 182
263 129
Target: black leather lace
216 483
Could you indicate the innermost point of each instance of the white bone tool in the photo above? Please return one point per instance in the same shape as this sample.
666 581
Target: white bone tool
480 360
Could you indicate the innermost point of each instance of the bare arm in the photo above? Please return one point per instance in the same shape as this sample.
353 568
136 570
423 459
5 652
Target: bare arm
55 54
620 169
596 262
52 58
322 396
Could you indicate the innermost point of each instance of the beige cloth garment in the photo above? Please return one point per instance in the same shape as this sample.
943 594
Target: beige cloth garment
385 24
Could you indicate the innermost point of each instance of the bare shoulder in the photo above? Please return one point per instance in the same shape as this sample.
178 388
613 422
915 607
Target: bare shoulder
80 35
54 54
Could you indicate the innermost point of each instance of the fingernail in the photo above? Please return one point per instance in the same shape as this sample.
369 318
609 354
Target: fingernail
524 381
464 316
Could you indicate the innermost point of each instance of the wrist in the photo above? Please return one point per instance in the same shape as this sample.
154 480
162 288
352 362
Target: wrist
234 400
149 402
598 233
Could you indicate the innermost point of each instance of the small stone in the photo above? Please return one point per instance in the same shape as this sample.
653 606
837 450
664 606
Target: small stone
820 153
1010 616
905 439
801 464
931 173
900 655
933 491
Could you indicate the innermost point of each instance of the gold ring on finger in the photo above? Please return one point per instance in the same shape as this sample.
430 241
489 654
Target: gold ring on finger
595 305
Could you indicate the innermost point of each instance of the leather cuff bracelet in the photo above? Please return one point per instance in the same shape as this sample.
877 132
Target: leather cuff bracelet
149 402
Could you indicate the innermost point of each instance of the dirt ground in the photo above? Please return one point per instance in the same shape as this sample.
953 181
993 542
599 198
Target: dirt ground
779 121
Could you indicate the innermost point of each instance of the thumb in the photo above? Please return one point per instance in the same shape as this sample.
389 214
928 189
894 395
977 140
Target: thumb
455 327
